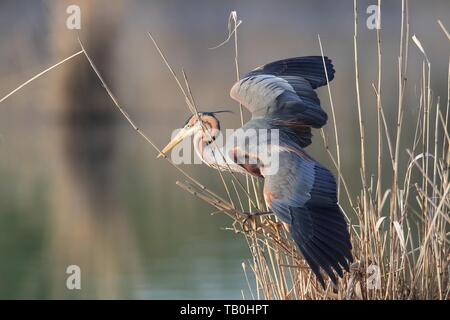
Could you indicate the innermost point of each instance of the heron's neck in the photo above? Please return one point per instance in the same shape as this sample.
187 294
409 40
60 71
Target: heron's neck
211 153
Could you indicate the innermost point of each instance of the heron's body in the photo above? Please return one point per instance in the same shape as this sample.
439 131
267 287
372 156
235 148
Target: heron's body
302 193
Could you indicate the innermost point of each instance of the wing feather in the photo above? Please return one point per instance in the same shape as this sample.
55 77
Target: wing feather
304 194
284 89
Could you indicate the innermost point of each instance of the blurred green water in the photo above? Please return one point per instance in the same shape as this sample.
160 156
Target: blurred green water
179 249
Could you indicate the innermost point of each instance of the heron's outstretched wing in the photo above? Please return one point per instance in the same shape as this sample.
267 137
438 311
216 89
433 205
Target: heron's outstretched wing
303 195
284 90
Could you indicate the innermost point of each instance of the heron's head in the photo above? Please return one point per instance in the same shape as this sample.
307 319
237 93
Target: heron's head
204 123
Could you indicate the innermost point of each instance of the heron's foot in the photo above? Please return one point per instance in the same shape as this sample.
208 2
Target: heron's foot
257 214
251 216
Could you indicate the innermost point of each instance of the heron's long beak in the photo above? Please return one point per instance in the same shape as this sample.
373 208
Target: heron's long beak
183 133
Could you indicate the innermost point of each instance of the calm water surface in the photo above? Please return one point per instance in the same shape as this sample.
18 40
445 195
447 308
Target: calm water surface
145 239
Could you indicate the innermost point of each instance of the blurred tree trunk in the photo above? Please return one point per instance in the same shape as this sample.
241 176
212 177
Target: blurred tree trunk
90 230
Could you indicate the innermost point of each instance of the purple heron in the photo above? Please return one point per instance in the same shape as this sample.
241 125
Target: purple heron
302 193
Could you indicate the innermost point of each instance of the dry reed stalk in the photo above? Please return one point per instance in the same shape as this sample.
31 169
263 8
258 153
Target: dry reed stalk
40 74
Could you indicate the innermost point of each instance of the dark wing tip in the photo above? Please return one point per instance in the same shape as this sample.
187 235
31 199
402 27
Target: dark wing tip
310 68
319 227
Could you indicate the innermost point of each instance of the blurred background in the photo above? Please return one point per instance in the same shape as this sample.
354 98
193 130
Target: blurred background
78 186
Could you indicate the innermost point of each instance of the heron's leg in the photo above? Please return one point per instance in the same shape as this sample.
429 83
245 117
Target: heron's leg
251 215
